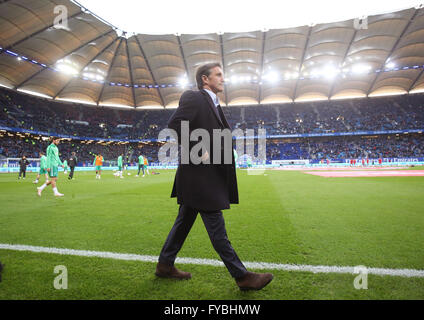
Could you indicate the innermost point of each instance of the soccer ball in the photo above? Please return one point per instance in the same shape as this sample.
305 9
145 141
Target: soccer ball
129 173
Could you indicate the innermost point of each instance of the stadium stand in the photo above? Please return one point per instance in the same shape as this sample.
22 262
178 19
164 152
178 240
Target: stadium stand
20 112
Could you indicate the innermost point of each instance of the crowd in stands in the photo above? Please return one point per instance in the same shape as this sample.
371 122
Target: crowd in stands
384 146
22 111
370 114
43 115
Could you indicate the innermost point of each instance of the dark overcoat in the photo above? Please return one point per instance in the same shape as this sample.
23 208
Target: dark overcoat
205 187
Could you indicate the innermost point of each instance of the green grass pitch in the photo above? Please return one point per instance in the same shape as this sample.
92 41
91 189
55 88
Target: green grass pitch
284 217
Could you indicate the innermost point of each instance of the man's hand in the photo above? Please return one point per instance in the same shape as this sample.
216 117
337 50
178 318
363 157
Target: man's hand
48 169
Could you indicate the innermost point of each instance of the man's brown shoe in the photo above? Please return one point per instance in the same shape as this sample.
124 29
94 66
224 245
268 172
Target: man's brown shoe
165 271
254 281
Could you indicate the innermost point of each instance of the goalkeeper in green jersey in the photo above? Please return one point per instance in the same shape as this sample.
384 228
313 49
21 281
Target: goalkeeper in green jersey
65 166
120 166
52 166
140 165
43 168
249 163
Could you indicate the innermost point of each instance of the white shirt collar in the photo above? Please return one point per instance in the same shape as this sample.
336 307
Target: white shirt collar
213 96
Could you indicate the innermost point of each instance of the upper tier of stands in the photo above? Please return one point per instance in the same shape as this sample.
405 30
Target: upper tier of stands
368 114
371 114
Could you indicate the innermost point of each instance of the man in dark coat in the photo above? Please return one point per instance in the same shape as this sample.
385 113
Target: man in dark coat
72 162
22 166
206 187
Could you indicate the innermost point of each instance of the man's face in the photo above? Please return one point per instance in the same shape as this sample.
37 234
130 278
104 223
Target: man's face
215 81
56 142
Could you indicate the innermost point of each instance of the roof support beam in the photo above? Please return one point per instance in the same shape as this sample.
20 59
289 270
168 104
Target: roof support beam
221 44
262 66
416 80
182 54
302 61
150 70
108 71
85 66
343 61
61 57
131 74
391 51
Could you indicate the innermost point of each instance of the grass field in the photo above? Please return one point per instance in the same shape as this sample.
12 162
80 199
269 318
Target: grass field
284 217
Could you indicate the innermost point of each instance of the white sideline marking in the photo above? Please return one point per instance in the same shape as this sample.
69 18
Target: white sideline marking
210 262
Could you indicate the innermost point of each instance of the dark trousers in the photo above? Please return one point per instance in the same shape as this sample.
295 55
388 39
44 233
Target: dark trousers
71 173
140 167
215 226
22 171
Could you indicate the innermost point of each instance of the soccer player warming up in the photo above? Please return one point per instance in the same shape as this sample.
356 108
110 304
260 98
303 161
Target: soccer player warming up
65 166
146 163
120 166
52 166
98 162
43 168
140 165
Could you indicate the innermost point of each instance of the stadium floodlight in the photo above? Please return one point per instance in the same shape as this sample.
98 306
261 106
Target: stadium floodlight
390 65
330 72
66 66
291 75
315 73
360 68
234 79
183 81
271 77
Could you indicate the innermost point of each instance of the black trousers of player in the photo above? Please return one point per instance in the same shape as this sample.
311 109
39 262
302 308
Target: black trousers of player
22 171
71 173
215 226
140 166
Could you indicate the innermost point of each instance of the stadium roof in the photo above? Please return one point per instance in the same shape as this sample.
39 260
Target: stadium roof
87 59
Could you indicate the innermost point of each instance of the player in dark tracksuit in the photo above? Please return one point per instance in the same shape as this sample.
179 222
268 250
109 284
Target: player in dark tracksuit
23 164
72 162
